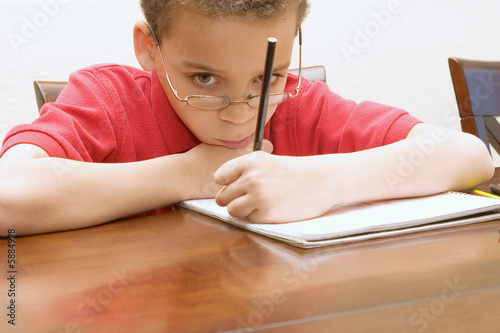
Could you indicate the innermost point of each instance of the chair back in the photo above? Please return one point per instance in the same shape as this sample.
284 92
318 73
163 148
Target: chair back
47 91
477 91
312 73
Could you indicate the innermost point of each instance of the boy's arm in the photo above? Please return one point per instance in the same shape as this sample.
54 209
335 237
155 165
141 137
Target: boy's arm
39 193
430 160
43 194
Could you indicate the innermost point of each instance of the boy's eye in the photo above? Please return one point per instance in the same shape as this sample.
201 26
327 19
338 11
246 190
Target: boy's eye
204 79
260 78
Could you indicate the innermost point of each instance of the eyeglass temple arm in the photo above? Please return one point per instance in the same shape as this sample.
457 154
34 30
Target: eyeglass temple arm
176 94
300 63
153 34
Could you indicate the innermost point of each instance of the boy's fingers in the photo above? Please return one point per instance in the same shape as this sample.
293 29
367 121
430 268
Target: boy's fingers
228 172
231 170
240 207
228 194
218 200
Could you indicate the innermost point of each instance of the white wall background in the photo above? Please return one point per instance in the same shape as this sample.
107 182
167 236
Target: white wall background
390 51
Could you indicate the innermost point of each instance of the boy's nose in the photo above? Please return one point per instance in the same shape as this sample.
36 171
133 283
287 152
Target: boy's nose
237 113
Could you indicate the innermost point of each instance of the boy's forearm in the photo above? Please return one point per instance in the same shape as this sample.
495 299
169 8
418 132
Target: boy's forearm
427 163
50 194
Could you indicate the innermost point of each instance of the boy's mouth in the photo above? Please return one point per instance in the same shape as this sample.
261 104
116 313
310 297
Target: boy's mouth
237 144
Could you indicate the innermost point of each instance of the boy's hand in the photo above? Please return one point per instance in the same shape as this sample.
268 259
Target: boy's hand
267 188
204 160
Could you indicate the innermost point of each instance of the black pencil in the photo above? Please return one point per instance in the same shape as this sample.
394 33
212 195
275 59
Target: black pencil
264 95
495 188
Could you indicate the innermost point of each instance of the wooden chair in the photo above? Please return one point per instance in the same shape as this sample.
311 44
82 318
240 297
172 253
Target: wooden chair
313 73
47 91
477 90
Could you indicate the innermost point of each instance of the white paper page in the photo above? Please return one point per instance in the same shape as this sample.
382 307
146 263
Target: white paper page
362 218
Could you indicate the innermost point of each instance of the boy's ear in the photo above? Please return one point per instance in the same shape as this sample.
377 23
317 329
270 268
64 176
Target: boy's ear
144 45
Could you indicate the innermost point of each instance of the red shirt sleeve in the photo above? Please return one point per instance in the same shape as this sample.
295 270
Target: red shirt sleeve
88 122
319 121
78 126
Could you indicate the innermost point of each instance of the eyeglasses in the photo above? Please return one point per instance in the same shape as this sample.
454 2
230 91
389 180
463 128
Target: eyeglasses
207 102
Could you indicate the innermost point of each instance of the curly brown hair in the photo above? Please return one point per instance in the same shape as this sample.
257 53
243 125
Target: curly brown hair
159 12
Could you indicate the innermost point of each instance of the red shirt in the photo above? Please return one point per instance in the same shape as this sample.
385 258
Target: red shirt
112 113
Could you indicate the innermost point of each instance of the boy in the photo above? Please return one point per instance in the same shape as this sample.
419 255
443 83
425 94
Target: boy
120 141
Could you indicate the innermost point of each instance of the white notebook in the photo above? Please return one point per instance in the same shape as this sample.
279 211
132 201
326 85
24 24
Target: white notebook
348 223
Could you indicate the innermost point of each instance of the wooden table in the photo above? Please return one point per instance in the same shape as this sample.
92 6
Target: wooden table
183 272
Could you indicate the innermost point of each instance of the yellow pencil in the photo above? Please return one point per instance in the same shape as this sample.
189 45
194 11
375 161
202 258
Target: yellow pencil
486 194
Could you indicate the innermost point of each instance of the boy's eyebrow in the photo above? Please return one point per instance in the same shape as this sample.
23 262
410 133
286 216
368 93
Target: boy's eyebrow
199 66
206 68
281 67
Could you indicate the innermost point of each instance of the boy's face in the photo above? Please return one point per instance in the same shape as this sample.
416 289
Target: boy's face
223 57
